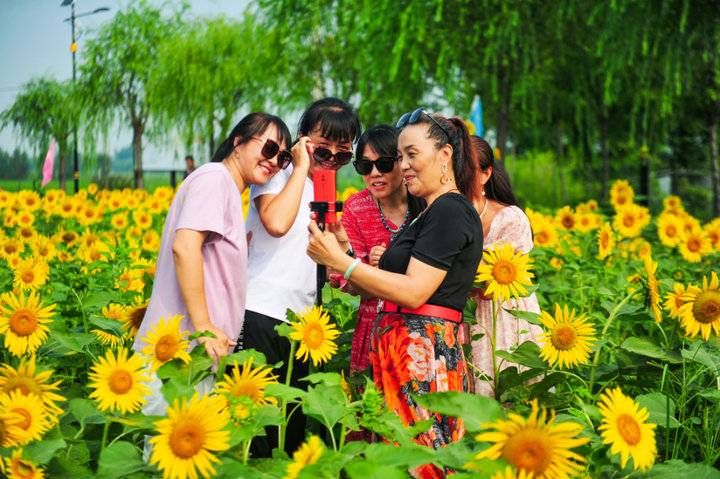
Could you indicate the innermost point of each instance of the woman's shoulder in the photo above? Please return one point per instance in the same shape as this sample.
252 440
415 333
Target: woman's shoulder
511 214
454 201
359 201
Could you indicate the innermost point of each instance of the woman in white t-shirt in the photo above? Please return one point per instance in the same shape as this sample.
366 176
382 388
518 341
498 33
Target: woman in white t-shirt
281 276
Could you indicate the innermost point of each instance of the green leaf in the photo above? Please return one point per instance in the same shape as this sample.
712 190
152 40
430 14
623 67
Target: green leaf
474 410
282 391
527 354
325 403
66 343
412 455
676 468
530 317
284 329
42 452
647 348
98 298
657 405
331 379
85 411
110 325
119 459
705 354
373 470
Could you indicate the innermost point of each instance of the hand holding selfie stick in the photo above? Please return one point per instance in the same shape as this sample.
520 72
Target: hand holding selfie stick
325 208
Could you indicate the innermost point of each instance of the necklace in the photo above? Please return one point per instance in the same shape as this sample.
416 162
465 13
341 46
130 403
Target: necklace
484 208
393 231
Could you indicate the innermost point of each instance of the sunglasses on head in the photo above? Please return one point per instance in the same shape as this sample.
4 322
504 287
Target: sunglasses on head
271 148
384 164
328 159
411 118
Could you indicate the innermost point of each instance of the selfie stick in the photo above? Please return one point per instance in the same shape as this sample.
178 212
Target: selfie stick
325 208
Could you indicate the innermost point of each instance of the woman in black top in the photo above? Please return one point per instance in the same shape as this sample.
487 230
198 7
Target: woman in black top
424 277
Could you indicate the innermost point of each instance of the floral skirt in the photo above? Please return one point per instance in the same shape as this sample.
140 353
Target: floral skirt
413 355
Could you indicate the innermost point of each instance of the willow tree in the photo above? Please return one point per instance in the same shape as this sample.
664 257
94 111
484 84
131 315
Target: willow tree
206 73
45 109
115 70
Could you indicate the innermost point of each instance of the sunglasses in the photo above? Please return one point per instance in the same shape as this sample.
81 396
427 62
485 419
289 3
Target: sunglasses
271 148
325 157
384 164
411 118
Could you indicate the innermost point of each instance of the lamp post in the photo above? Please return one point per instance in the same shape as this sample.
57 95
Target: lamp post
73 49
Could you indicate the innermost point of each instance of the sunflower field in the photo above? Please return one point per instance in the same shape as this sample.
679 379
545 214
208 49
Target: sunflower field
624 381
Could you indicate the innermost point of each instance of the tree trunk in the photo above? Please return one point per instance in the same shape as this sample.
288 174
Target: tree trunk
560 148
605 151
503 121
61 170
714 166
137 153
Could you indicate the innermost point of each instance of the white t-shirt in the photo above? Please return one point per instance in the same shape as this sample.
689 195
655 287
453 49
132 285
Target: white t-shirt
280 273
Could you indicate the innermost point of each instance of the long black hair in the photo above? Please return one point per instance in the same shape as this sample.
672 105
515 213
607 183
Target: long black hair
498 187
253 124
383 139
335 119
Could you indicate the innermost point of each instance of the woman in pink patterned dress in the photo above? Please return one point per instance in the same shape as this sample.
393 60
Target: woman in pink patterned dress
372 218
503 222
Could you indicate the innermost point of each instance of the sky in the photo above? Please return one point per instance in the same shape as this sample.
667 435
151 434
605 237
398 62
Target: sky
35 41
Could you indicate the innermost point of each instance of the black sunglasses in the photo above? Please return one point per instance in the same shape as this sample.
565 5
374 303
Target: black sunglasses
411 118
325 157
271 148
384 164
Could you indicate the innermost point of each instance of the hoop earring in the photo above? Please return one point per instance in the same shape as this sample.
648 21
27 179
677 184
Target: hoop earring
443 177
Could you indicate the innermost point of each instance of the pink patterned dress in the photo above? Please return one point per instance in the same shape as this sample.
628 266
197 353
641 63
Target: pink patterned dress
512 226
364 227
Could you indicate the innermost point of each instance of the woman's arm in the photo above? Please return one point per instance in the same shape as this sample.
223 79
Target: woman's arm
411 289
278 211
187 254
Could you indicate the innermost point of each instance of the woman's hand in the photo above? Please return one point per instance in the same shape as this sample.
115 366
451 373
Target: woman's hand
323 248
375 253
218 346
301 152
340 234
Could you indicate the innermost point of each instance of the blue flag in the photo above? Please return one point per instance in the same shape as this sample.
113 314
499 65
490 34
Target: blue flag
476 116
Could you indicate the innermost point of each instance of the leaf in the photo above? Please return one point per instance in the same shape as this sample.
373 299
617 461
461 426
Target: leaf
411 455
676 468
325 403
282 391
474 410
657 405
331 379
527 354
66 343
119 459
705 354
530 317
647 348
85 411
42 452
371 470
98 298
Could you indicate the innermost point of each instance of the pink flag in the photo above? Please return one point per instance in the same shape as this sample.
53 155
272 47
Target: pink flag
47 170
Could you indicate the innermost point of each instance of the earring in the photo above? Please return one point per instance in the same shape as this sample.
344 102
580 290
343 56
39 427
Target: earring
483 190
443 177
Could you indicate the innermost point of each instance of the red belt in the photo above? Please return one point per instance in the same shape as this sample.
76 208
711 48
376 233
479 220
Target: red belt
433 310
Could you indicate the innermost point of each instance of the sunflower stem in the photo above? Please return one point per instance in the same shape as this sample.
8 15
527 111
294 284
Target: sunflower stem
493 345
246 451
106 428
596 358
283 403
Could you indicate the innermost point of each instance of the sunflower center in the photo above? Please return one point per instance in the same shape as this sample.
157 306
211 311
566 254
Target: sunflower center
26 418
24 385
628 220
23 322
11 248
568 222
166 348
120 381
187 438
504 272
28 276
693 245
246 388
541 237
22 469
529 450
605 241
706 308
629 429
671 231
563 337
313 336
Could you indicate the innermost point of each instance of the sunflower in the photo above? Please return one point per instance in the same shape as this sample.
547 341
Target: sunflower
43 248
187 438
119 221
142 218
29 200
308 453
675 299
565 218
669 230
712 230
24 218
11 247
606 241
133 317
151 241
166 341
701 312
653 296
545 233
625 427
114 311
510 473
672 203
535 445
25 380
587 207
34 423
23 322
316 336
19 468
568 339
105 338
694 245
630 220
250 382
506 272
30 274
119 382
621 194
556 263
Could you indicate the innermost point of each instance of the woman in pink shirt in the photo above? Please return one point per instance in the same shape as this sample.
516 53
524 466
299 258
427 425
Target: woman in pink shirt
201 266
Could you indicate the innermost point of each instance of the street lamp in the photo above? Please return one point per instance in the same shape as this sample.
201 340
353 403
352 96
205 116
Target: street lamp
73 49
